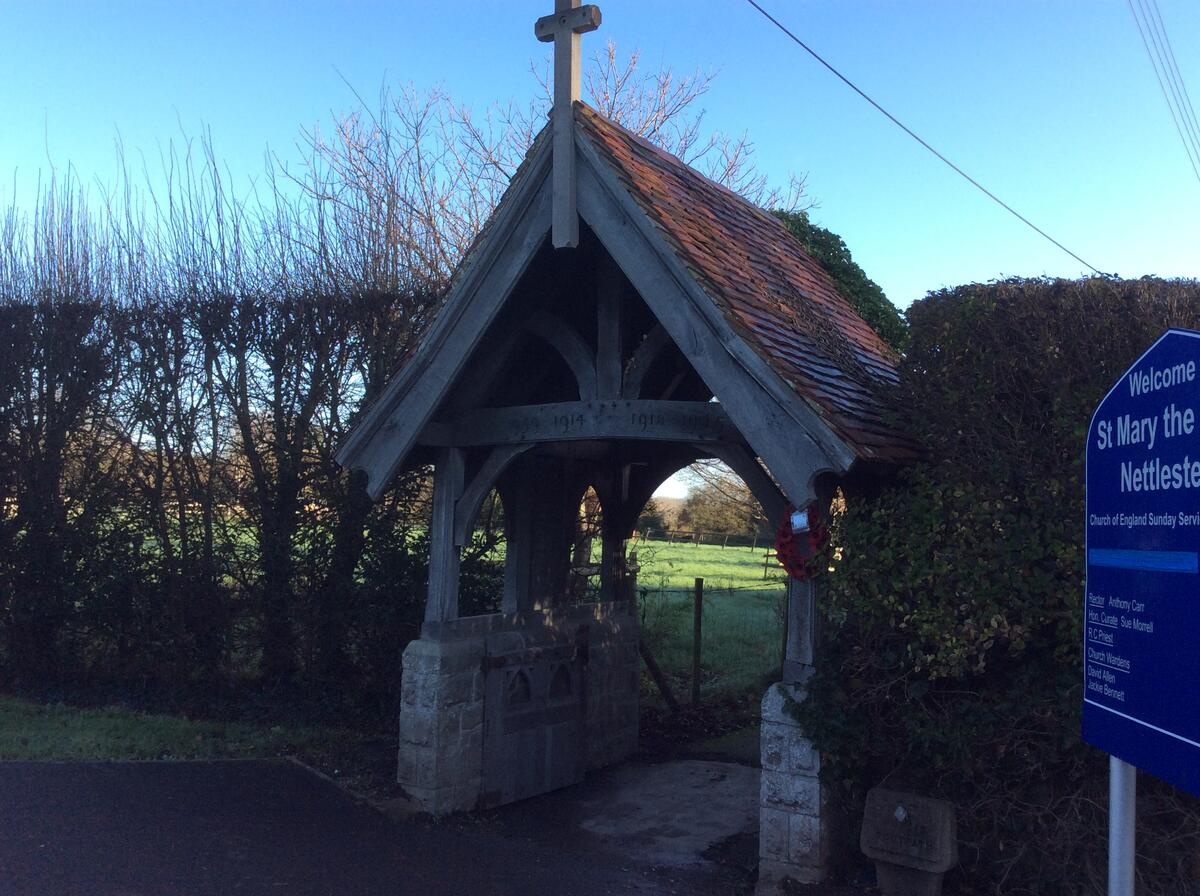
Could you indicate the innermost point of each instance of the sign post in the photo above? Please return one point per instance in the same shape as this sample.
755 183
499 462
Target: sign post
1122 826
1142 599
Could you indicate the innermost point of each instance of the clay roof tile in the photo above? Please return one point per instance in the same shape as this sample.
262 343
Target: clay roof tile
772 293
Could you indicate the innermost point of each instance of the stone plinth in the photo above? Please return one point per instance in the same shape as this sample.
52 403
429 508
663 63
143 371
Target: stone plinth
794 832
445 750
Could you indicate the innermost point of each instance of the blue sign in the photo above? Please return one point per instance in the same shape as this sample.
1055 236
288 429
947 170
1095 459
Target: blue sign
1141 651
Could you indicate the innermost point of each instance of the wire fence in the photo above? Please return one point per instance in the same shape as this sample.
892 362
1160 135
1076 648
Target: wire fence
717 539
741 640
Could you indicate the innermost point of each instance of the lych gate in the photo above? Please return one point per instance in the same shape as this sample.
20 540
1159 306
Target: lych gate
619 317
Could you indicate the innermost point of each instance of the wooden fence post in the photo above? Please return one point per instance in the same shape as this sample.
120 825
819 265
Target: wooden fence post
664 686
697 625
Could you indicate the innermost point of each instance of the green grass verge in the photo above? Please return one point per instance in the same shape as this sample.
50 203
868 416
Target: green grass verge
59 732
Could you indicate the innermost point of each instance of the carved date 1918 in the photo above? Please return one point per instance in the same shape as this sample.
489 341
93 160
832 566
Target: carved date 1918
645 422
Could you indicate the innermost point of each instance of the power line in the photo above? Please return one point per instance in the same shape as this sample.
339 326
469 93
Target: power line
1182 101
1173 91
1174 65
894 120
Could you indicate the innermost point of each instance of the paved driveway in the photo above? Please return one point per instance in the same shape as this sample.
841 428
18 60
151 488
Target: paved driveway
259 828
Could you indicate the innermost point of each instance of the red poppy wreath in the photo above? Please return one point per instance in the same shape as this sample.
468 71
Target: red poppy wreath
803 554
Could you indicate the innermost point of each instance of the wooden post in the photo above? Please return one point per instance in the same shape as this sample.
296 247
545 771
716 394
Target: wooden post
783 648
656 674
442 603
697 625
608 330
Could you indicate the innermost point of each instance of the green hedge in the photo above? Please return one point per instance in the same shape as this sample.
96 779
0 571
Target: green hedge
951 654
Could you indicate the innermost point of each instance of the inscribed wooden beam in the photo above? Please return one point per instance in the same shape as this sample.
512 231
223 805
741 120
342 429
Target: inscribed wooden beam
660 421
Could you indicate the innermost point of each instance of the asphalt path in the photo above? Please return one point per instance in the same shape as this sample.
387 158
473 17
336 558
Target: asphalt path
256 828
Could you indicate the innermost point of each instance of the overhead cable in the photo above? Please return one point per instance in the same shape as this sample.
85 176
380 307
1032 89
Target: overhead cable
892 118
1162 60
1183 100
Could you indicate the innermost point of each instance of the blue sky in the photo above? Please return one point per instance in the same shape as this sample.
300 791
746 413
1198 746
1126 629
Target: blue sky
1053 105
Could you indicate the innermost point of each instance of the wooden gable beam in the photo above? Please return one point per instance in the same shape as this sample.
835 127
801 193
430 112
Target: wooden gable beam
788 435
384 437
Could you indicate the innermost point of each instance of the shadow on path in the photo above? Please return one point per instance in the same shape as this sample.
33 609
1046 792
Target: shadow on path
258 828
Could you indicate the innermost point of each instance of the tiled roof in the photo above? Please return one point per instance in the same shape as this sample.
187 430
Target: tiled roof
778 299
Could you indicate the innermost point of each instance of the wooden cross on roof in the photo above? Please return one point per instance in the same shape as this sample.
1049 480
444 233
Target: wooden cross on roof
568 21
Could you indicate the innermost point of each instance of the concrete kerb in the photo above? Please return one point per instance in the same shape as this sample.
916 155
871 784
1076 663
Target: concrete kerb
396 809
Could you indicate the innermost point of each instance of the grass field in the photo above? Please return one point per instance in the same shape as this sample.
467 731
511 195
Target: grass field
742 630
38 731
676 565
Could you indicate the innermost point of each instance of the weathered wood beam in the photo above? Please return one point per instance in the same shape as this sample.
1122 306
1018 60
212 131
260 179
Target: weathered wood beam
487 364
561 336
742 462
664 686
518 539
661 421
609 284
761 404
643 358
468 505
442 603
380 443
564 27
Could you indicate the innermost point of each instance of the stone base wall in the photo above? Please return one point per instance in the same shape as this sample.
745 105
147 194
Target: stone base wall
442 743
614 678
441 724
794 822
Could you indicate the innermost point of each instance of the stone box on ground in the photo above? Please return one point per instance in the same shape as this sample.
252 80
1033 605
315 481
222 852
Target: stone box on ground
913 840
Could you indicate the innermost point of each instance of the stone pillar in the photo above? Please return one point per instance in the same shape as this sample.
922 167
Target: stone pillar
441 724
794 834
794 823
